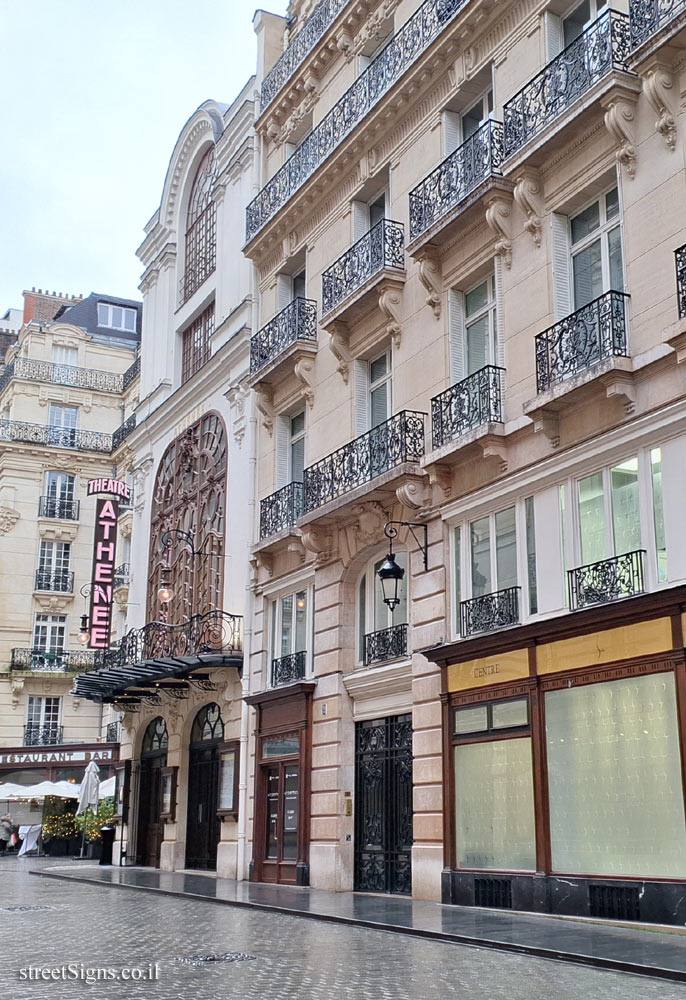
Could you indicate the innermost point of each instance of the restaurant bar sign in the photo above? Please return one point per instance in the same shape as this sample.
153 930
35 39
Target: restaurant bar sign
108 492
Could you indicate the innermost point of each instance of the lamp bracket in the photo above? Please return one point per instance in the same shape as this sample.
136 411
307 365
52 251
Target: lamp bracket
390 530
167 539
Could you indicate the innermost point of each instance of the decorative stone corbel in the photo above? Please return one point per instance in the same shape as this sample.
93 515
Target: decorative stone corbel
320 542
547 422
125 526
303 373
237 397
497 218
52 603
389 300
140 475
494 449
618 116
264 561
414 494
441 476
620 386
121 596
344 44
370 518
8 518
16 688
266 407
656 82
527 194
297 548
338 345
430 277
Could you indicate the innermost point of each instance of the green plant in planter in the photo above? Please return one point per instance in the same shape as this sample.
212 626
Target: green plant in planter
92 821
61 827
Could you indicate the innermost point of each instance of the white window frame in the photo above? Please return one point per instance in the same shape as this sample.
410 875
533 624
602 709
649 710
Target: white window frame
58 355
605 227
275 611
64 485
371 583
488 101
59 413
295 438
54 627
490 309
107 308
47 557
383 380
40 718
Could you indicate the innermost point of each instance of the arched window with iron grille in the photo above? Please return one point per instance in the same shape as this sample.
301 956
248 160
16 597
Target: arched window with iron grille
190 495
156 738
208 724
201 228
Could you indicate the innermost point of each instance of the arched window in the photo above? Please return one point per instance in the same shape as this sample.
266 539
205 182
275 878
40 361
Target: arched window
190 494
382 632
208 724
201 228
156 737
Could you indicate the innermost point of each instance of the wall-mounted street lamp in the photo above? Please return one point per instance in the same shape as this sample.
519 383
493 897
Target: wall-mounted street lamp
85 627
390 573
165 592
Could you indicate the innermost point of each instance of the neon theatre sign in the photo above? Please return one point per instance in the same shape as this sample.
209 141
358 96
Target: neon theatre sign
104 553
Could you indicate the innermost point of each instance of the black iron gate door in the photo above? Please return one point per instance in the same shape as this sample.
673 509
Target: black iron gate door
383 805
203 829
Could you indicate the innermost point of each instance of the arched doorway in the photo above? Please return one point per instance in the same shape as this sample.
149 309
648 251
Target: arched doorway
153 759
204 826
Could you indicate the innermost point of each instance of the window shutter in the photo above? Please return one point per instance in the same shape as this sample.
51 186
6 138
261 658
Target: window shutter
456 335
361 400
284 290
360 220
451 132
554 36
283 443
561 283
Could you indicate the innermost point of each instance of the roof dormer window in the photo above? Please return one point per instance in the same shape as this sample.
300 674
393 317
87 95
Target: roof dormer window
116 317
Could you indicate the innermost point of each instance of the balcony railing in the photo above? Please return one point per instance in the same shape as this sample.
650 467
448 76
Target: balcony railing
489 612
602 47
42 736
591 334
65 510
58 437
680 257
122 575
316 25
474 162
404 49
131 373
605 581
82 378
398 440
6 374
213 632
649 16
281 510
123 431
62 582
288 668
382 248
386 644
57 661
113 732
476 400
298 321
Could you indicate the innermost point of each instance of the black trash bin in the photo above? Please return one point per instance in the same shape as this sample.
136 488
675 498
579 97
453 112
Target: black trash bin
107 836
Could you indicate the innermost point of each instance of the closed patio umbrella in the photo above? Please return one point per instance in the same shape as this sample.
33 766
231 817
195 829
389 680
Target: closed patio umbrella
88 795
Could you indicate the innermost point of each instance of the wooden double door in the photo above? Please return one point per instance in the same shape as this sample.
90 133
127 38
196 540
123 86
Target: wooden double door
281 781
203 827
150 826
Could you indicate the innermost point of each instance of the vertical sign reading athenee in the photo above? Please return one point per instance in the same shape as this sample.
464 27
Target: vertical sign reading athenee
104 552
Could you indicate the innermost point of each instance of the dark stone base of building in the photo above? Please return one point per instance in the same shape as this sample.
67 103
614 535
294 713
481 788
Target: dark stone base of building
607 899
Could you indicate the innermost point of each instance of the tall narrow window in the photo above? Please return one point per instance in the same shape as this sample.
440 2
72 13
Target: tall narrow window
477 115
53 566
380 390
60 485
196 343
289 640
297 447
609 519
201 228
597 250
531 554
658 513
480 326
49 633
493 542
374 614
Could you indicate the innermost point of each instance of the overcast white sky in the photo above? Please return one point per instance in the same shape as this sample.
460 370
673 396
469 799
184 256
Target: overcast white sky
92 98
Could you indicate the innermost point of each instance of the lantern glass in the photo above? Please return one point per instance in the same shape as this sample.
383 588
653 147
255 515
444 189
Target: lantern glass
391 576
166 591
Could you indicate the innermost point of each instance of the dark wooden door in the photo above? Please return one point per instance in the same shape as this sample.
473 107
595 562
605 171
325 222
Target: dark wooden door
282 789
150 826
383 805
203 827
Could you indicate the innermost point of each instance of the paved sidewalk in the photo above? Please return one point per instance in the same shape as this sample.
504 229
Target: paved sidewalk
641 949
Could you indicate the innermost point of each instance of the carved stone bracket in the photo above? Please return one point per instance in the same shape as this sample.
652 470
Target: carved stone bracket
140 475
389 301
620 386
338 344
498 213
494 448
237 397
547 422
656 82
51 602
441 476
16 687
303 373
264 561
618 117
414 494
8 518
527 194
265 405
296 546
320 542
430 277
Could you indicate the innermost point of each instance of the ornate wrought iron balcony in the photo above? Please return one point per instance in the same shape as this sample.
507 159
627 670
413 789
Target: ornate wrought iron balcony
62 583
298 321
281 510
288 668
489 612
122 575
474 162
58 437
65 510
57 661
404 49
6 374
398 440
316 25
213 632
381 249
591 334
131 373
123 431
680 256
650 16
605 581
42 736
386 644
83 378
476 400
602 47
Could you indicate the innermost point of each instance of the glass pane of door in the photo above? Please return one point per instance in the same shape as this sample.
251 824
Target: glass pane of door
625 516
481 557
614 252
272 812
287 625
506 548
289 837
592 518
587 267
300 621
